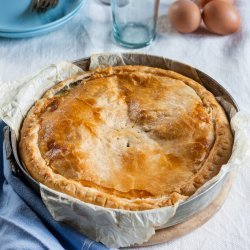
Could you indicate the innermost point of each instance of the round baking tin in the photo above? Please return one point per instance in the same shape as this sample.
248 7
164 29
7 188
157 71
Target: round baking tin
186 209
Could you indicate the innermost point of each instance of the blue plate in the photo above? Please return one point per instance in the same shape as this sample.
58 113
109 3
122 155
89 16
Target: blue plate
39 31
17 21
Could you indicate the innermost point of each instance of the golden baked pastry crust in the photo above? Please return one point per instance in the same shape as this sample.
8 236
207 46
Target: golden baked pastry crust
126 137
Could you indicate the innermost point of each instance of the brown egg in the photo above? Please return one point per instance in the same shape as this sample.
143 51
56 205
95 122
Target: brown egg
221 18
204 2
185 16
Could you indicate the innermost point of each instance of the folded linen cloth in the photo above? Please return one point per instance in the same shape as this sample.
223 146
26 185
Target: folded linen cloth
25 221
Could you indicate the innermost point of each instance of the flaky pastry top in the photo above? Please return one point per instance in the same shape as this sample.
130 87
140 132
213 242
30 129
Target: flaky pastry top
127 137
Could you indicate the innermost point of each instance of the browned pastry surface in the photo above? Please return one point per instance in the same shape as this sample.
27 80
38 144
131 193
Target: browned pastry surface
127 137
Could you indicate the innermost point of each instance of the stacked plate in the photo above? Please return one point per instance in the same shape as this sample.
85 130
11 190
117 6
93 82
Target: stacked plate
17 20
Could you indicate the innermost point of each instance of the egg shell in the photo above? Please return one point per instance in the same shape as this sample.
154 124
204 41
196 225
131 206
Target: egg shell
185 16
204 2
221 17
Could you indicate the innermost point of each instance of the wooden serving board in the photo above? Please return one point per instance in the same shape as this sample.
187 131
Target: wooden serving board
174 232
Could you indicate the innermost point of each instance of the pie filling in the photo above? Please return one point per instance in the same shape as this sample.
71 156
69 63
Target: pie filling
129 134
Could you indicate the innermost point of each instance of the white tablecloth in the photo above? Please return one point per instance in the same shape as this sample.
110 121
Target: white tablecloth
227 59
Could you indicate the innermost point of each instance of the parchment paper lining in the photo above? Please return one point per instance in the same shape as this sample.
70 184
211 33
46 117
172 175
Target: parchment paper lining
16 98
114 228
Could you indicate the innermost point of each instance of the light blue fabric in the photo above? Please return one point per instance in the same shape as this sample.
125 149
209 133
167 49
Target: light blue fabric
25 223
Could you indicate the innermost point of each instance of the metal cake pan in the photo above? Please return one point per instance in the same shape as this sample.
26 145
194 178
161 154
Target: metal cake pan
187 208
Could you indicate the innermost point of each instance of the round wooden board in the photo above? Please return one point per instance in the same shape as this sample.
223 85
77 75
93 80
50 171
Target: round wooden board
174 232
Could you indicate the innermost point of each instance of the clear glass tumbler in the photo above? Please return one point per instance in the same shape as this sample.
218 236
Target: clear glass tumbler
134 22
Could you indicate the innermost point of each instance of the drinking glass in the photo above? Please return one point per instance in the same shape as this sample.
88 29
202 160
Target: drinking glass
134 22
